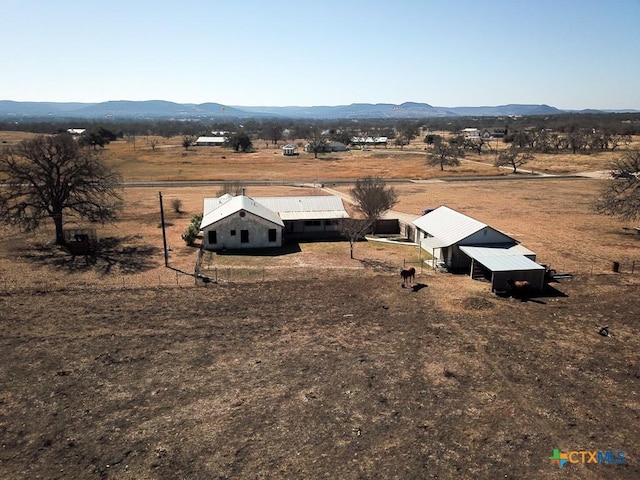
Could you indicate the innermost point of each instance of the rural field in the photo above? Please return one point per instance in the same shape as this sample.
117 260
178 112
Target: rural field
309 364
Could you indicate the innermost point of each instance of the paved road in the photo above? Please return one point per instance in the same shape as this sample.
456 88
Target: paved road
323 183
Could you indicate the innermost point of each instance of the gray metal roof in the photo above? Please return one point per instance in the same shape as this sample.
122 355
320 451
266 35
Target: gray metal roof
315 207
496 250
448 226
210 140
236 204
274 209
501 259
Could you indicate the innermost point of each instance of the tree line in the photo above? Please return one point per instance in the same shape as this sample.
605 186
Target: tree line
400 130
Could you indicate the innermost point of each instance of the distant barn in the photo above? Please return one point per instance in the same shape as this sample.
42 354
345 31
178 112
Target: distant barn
210 141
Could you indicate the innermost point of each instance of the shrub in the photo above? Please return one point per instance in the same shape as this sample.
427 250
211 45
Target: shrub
193 229
176 204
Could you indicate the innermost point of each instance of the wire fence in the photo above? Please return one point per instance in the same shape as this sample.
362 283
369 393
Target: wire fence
205 273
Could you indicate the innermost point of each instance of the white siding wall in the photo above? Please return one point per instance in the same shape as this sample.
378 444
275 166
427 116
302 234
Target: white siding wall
257 227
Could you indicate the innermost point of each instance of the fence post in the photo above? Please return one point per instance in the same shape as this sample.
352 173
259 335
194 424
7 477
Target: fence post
633 266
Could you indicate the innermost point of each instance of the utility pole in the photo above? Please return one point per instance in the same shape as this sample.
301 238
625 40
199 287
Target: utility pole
164 233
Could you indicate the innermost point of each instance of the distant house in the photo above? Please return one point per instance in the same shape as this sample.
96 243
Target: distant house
243 222
328 147
210 141
76 131
461 243
336 147
470 133
488 133
289 150
369 141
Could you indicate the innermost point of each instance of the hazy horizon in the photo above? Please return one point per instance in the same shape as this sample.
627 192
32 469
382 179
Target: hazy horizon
571 55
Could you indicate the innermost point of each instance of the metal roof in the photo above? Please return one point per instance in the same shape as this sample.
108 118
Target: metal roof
501 259
274 209
314 207
448 226
236 204
210 204
210 140
496 250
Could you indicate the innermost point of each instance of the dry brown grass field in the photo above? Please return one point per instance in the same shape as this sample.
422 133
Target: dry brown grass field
308 364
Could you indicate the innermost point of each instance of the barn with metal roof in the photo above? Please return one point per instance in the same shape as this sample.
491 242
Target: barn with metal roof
460 243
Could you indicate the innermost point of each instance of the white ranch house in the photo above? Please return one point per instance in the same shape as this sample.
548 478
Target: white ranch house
242 222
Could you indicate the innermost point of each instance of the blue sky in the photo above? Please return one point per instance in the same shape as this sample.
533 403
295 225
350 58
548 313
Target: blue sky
565 53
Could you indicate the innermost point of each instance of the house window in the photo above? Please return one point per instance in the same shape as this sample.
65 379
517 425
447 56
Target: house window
233 233
312 223
213 237
244 236
273 235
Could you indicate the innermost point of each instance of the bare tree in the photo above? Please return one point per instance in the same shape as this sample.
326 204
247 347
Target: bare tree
513 158
621 196
373 198
317 141
176 204
52 176
354 229
232 188
187 141
153 143
272 131
445 154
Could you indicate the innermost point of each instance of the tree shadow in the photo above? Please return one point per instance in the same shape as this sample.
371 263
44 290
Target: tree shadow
110 255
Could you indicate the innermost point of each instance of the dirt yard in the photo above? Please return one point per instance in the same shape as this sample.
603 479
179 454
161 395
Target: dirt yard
350 377
308 364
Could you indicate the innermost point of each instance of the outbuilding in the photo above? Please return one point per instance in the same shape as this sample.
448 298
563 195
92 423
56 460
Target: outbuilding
289 150
210 141
459 243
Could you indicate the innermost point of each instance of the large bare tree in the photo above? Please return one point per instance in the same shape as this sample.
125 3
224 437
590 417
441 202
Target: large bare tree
621 196
445 153
373 198
513 158
52 176
317 141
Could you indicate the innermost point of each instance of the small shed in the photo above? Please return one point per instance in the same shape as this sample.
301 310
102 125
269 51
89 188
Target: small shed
289 150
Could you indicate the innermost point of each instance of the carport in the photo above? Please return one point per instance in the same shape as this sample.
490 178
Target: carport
502 264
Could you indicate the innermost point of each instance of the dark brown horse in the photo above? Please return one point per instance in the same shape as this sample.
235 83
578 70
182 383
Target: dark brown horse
408 275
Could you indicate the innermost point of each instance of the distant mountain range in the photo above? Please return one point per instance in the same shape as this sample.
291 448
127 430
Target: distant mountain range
163 110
